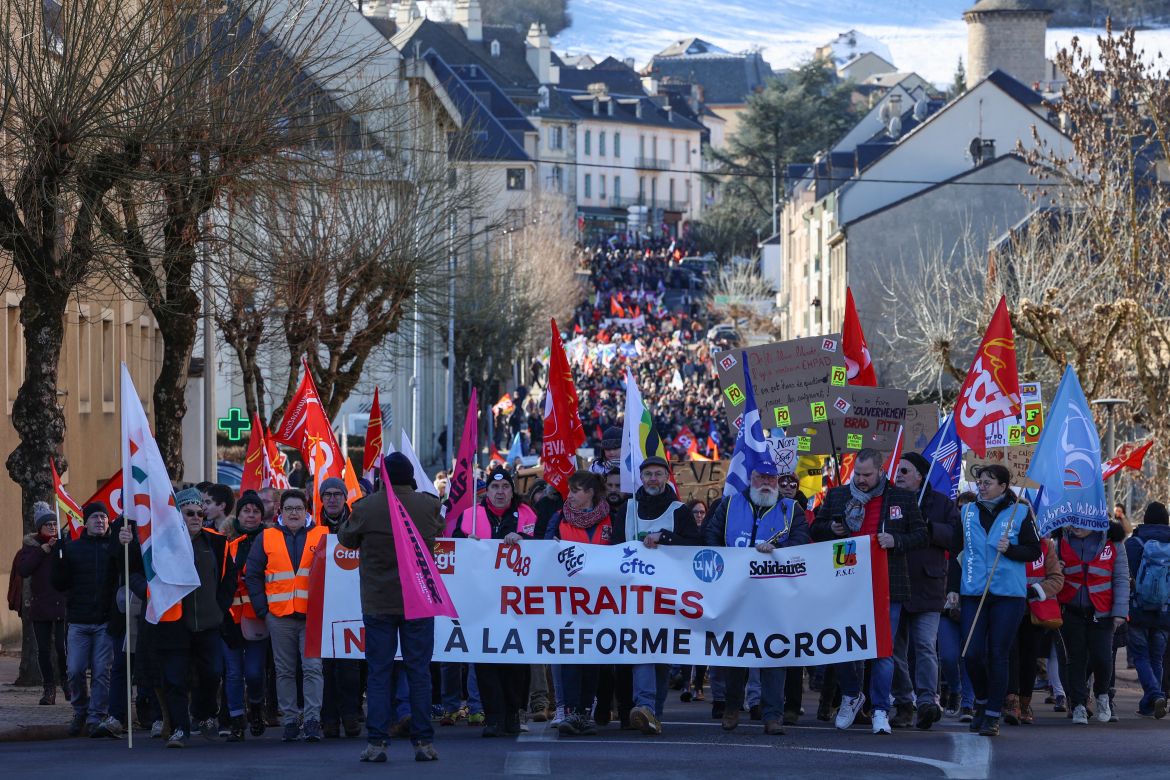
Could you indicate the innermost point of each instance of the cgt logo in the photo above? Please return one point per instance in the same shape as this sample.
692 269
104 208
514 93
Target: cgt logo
708 565
844 556
444 554
572 558
346 558
631 564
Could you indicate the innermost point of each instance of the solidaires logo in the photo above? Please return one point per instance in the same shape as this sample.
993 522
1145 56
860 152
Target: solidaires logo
708 565
770 569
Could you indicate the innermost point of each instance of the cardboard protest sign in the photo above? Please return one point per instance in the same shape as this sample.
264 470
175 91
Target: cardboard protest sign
1015 458
860 417
921 426
792 380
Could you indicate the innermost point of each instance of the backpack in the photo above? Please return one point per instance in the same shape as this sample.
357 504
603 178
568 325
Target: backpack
1151 591
15 588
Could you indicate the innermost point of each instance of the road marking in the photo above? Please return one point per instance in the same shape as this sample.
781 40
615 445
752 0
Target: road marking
654 741
972 757
528 762
547 734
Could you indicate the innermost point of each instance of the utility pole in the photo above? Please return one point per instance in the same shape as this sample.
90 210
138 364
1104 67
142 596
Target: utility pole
1110 405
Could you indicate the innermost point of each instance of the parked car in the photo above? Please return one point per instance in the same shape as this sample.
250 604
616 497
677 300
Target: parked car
704 266
724 336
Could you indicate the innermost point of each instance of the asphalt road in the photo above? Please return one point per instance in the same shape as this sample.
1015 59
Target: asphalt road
692 745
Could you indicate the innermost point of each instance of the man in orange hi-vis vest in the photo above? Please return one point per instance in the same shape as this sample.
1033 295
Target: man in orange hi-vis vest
277 576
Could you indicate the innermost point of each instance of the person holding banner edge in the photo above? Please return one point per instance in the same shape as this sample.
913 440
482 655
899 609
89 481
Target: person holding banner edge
999 538
758 518
870 505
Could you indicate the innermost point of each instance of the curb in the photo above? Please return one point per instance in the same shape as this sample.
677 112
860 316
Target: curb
34 733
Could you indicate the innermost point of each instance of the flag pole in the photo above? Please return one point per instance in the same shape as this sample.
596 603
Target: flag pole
926 480
129 676
987 585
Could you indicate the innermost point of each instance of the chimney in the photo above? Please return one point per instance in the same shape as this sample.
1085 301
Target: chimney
468 16
628 62
406 13
539 53
638 109
376 9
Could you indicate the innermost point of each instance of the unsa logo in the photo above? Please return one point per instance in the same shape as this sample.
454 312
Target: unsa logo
708 565
346 558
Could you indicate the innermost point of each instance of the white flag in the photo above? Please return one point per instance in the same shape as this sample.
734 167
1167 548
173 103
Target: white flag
420 477
632 456
149 500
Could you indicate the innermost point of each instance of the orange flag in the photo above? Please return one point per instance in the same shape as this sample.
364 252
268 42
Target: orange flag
353 491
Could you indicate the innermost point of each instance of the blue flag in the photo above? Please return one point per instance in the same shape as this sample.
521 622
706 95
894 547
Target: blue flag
945 455
516 450
751 448
1067 464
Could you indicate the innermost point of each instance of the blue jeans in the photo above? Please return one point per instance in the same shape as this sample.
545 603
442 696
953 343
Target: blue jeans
989 654
1146 648
718 677
558 685
768 689
954 672
418 642
90 649
451 683
650 686
881 679
400 700
244 665
921 629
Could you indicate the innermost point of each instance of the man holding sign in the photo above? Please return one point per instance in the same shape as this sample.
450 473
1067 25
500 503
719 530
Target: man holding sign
871 505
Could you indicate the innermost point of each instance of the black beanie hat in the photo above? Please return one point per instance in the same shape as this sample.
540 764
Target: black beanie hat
400 470
611 439
93 507
250 498
1156 514
920 464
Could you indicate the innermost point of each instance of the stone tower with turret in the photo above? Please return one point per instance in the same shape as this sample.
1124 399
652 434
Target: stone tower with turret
1007 35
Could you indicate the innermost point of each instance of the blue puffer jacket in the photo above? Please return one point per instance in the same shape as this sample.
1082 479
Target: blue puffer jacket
1133 550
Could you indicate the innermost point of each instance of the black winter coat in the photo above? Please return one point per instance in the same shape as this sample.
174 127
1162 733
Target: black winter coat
909 531
928 565
36 567
80 568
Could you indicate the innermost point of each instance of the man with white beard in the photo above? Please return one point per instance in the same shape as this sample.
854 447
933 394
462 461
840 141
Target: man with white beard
758 518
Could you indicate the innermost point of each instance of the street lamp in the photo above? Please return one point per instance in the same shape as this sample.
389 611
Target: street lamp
1110 405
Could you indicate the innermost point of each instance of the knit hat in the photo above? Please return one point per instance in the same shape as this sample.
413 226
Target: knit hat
499 473
1156 514
920 464
42 514
250 498
332 483
612 438
399 469
189 496
93 507
654 460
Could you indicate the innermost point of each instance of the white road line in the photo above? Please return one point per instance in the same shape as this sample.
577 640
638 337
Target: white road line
547 734
649 741
528 762
972 756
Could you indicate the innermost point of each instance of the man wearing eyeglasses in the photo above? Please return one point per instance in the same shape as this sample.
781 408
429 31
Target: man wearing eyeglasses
870 506
280 595
921 613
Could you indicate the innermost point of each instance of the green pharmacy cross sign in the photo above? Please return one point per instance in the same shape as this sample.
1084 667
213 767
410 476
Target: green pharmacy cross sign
235 424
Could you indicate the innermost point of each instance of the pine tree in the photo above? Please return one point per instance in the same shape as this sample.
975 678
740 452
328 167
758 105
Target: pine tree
959 83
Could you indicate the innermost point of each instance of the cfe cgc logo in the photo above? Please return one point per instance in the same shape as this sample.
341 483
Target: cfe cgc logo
771 569
444 554
708 565
572 558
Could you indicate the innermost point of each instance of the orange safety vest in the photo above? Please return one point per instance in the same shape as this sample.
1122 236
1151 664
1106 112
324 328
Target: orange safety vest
1096 575
241 602
1034 570
602 534
288 590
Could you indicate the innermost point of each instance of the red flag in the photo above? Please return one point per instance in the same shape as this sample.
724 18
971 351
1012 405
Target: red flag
615 308
563 432
1129 456
306 427
67 506
255 458
857 359
373 437
494 455
461 495
275 475
686 439
991 391
110 494
891 464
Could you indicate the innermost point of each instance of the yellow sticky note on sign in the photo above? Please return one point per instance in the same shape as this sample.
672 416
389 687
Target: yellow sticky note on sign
838 376
817 408
783 417
854 441
735 395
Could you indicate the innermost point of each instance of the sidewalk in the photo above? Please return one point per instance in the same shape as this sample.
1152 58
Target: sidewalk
21 718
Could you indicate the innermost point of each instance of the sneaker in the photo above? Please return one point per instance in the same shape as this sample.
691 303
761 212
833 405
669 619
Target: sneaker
730 719
774 728
540 715
1060 704
425 751
587 727
292 732
475 719
436 711
570 725
929 713
990 727
225 731
156 729
643 719
109 727
558 718
850 706
1080 716
1160 707
1104 710
208 729
686 696
375 752
312 731
881 722
903 716
462 714
1027 717
236 732
448 719
178 739
523 727
966 714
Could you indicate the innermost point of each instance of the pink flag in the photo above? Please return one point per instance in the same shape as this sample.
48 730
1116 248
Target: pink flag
462 488
423 592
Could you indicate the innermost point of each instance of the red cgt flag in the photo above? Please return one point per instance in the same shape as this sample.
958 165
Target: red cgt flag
254 457
563 432
857 359
1129 456
991 391
306 427
373 438
109 494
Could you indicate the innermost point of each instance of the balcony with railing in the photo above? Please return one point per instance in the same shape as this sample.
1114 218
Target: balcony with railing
651 164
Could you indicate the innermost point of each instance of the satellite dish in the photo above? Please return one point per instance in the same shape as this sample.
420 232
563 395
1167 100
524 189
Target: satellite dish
886 112
920 109
975 150
895 127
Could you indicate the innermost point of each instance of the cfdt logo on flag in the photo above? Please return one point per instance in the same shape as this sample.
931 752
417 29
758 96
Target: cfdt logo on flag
708 565
844 555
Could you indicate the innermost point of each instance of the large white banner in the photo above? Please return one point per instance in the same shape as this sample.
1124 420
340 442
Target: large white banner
556 602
